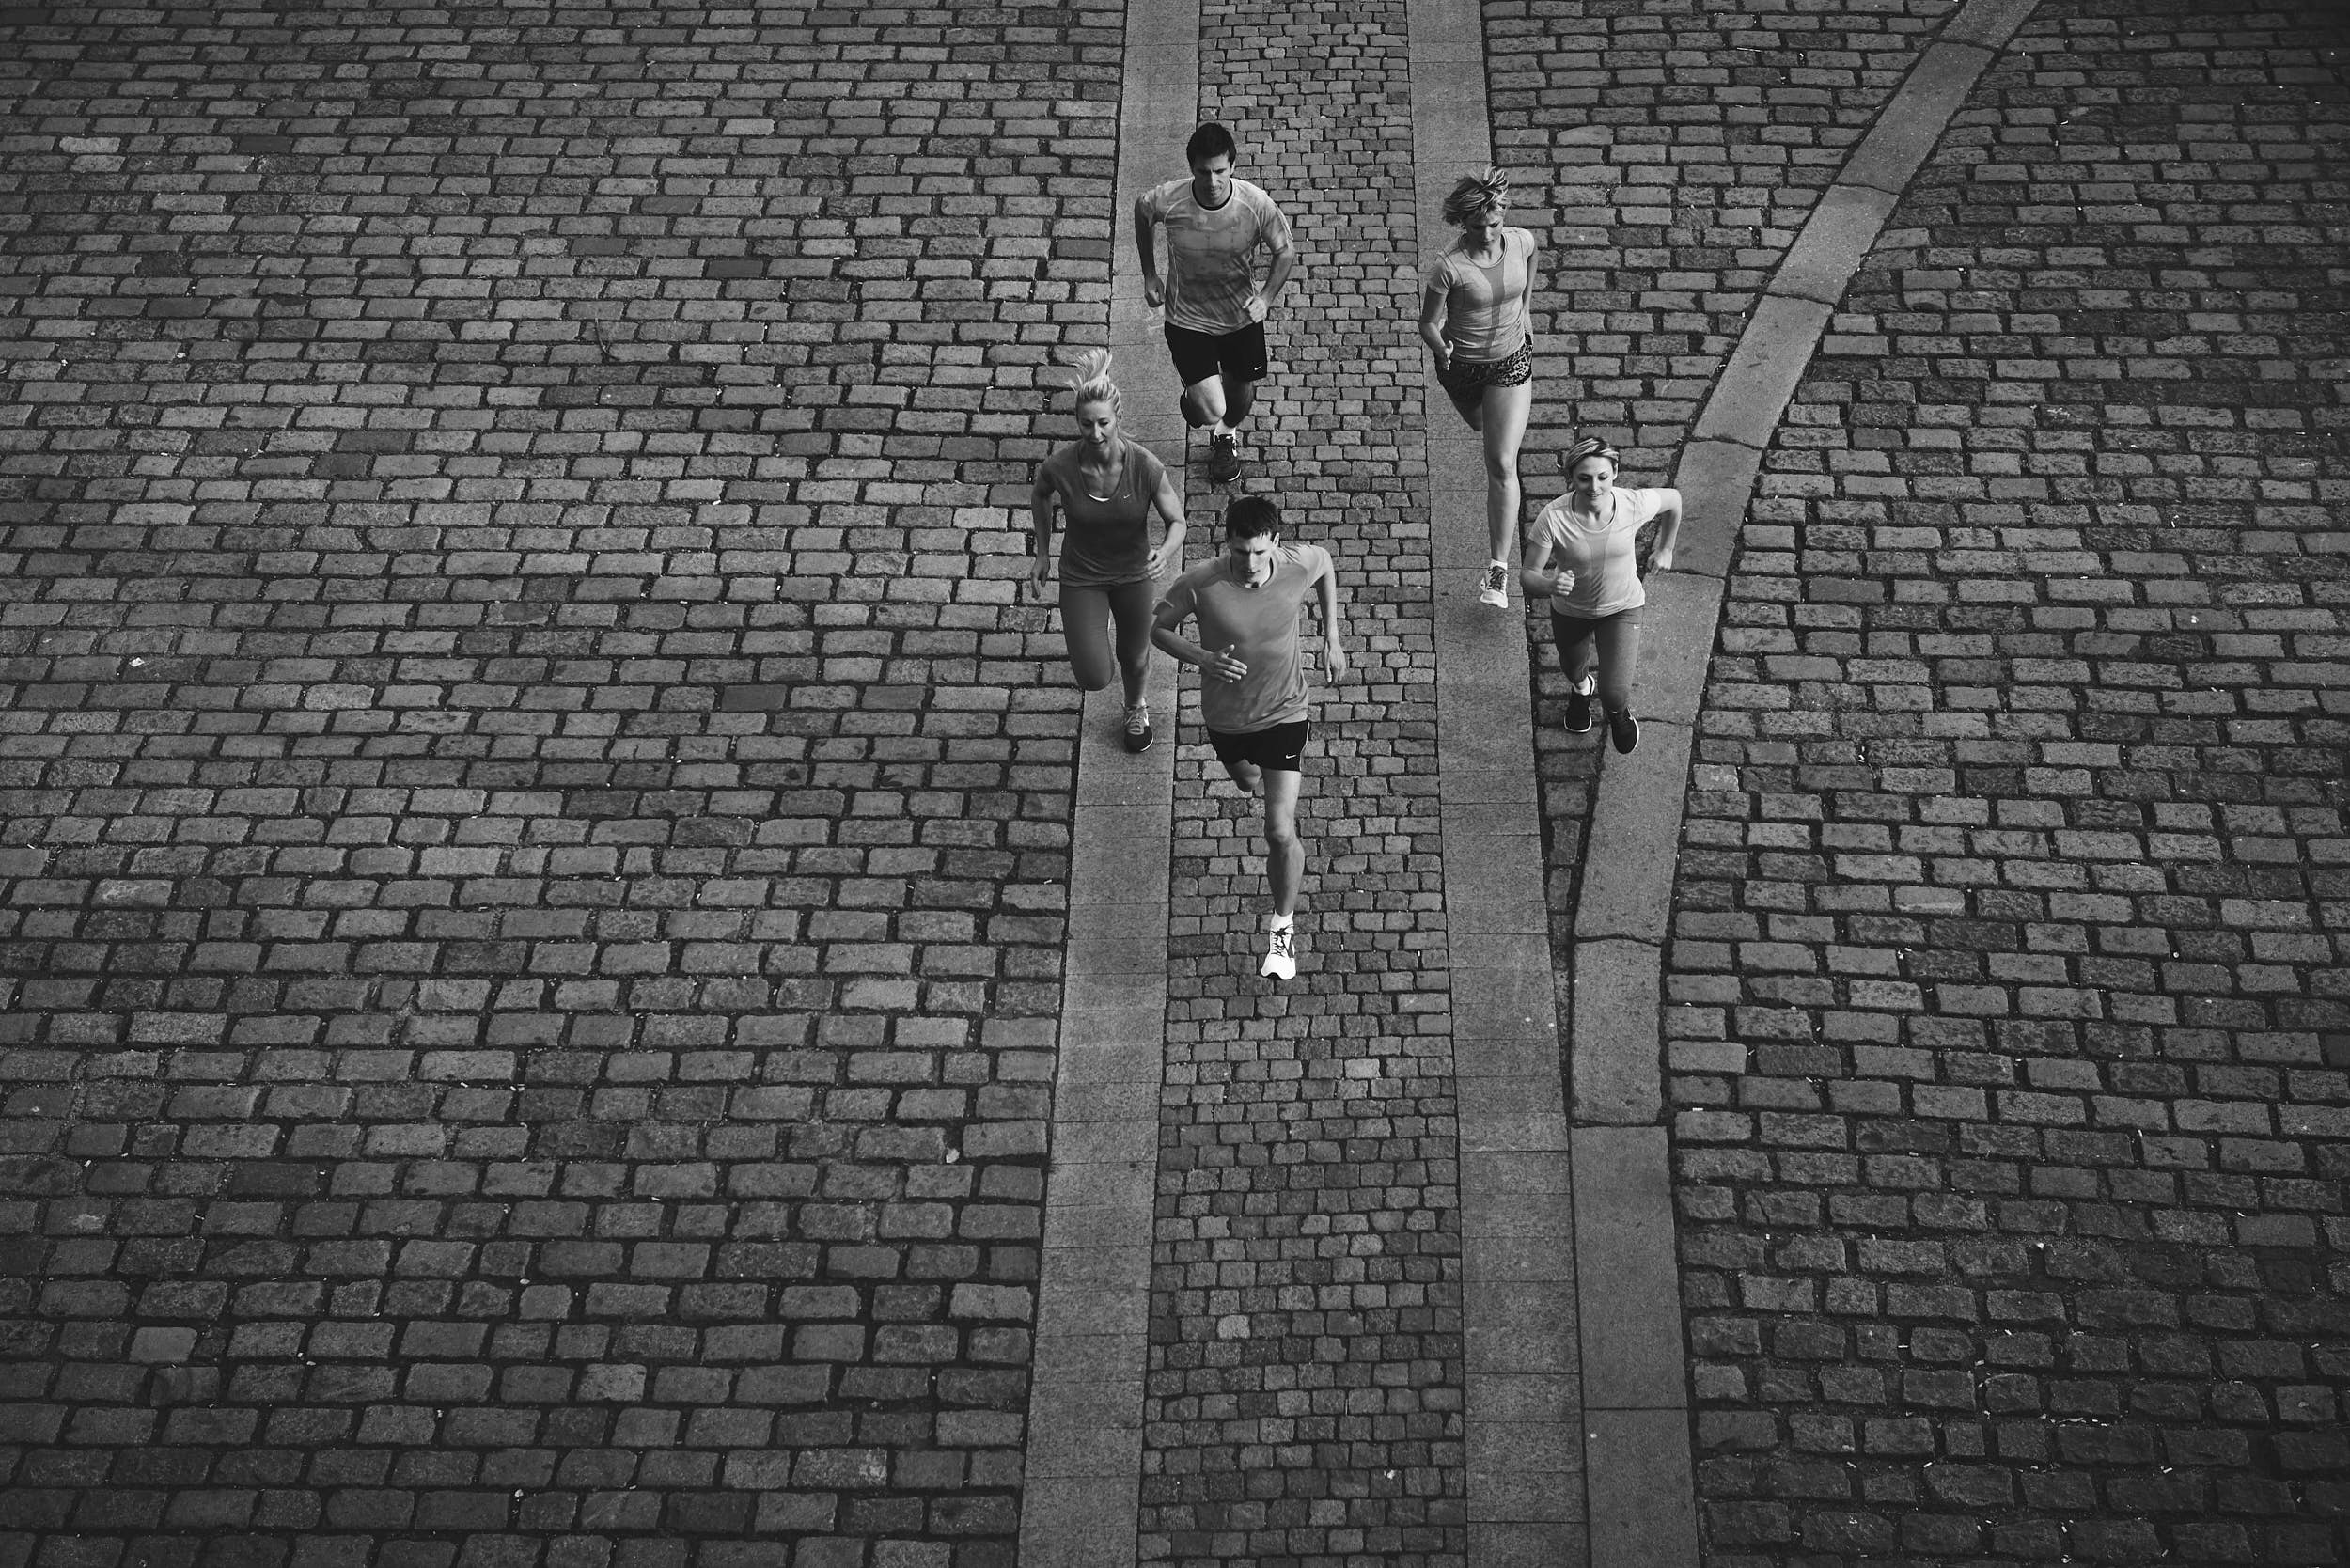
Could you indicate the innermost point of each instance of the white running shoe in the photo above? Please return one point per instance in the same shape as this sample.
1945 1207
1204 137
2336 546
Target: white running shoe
1496 590
1280 953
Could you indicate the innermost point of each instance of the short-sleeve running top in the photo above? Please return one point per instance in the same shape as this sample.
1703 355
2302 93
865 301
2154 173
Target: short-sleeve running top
1485 306
1259 625
1599 550
1106 541
1212 251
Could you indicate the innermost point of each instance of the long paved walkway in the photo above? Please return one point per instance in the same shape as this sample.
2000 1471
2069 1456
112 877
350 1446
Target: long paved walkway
577 989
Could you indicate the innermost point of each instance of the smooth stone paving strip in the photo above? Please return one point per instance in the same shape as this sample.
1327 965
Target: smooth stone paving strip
1080 1506
1520 1366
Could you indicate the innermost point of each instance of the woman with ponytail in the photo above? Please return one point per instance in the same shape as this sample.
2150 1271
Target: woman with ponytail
1475 317
1596 591
1107 487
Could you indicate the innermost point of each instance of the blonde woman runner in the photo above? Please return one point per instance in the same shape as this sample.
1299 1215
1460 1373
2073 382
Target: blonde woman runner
1476 319
1107 487
1596 591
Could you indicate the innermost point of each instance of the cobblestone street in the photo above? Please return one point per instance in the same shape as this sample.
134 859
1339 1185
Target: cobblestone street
537 810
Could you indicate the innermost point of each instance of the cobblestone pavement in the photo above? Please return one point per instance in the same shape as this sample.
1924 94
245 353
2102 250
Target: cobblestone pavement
2012 1119
1680 149
1304 1394
534 820
533 815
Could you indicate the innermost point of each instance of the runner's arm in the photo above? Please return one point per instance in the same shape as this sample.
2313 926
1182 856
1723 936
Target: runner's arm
1169 501
1041 497
1667 533
1224 666
1147 247
1284 263
1537 582
1433 311
1333 651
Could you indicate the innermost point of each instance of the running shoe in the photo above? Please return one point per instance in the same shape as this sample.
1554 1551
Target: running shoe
1579 706
1223 457
1139 726
1280 953
1624 730
1192 416
1496 587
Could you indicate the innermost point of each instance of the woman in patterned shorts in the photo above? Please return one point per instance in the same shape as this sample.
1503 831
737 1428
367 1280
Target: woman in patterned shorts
1475 317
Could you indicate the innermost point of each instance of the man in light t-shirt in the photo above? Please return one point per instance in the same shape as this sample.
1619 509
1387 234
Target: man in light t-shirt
1215 310
1252 691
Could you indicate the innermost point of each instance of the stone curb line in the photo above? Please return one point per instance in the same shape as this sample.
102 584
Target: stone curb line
1521 1385
1081 1497
1636 1376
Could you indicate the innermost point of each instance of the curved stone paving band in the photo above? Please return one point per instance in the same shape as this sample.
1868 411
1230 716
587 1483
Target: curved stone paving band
1574 1363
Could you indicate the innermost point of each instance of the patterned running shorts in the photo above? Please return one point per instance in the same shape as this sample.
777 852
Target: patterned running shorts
1462 377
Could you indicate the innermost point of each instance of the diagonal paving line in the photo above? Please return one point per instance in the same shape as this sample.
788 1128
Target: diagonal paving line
1081 1501
1636 1376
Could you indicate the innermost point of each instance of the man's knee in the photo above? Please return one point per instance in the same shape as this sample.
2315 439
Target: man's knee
1280 831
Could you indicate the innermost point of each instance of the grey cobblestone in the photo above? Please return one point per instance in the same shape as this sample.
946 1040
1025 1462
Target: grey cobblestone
1666 158
531 816
2007 1008
1303 1401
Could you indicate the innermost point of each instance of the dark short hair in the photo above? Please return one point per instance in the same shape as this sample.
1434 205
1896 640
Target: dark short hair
1251 516
1209 140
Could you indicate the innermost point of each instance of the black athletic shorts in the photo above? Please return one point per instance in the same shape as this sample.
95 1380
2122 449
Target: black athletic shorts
1234 355
1277 748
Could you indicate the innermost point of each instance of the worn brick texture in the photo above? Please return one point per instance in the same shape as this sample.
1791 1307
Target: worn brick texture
532 818
1302 1402
1665 153
2011 1088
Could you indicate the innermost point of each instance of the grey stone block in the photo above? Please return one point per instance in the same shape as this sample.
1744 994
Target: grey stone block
1511 1396
1525 1260
1987 22
1762 373
1717 484
1636 839
1628 1286
1835 241
1542 1172
1679 626
1079 1521
1643 1502
1120 1180
1086 1426
1487 783
1914 119
1499 1544
1614 1046
1511 1113
1553 1498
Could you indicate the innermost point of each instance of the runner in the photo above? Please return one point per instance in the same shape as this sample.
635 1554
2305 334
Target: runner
1476 318
1215 313
1108 572
1595 594
1252 689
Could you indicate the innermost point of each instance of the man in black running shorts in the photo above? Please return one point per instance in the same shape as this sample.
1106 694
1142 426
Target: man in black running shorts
1215 224
1253 691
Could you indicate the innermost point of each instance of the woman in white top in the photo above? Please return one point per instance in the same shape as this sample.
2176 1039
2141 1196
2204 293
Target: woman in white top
1595 593
1475 318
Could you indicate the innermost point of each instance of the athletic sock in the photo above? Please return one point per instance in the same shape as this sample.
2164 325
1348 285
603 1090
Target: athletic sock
1280 922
